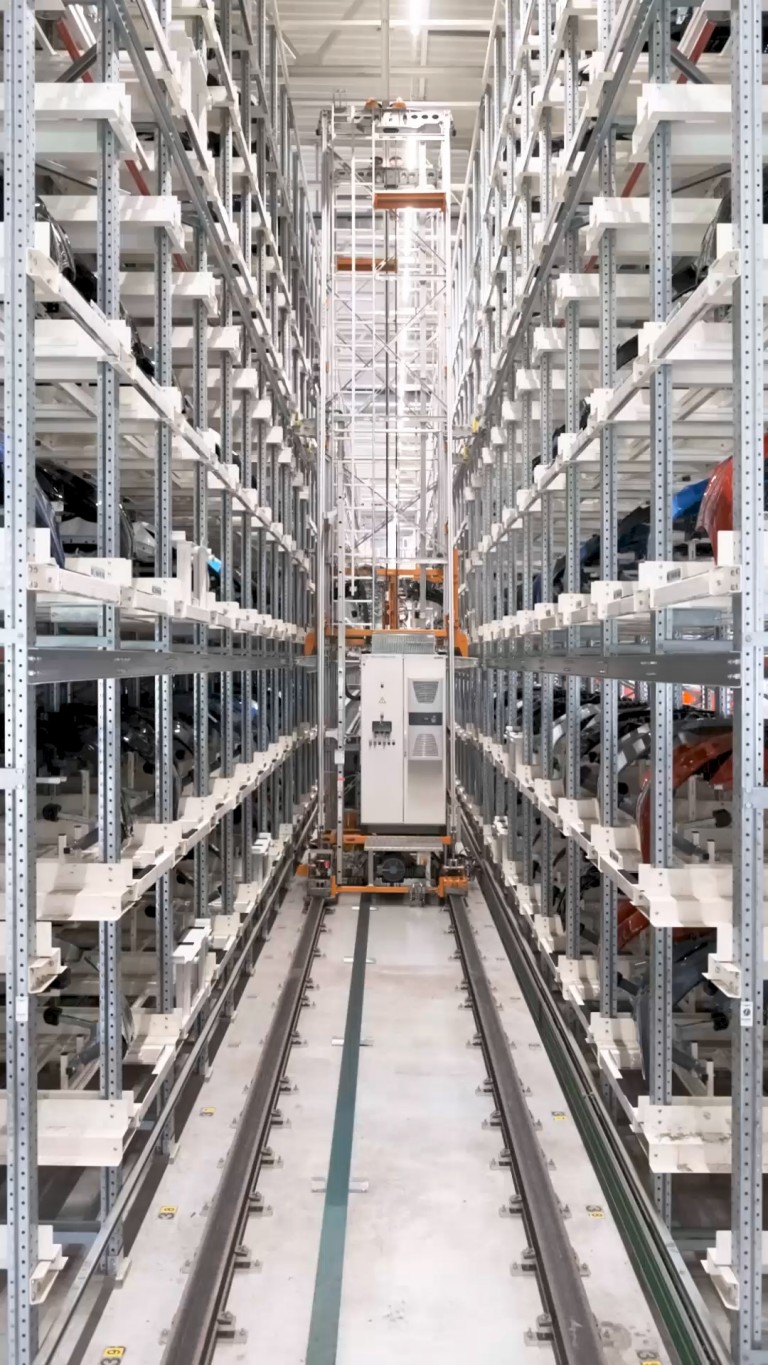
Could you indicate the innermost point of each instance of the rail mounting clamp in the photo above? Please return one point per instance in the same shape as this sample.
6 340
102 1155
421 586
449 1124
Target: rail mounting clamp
541 1334
227 1329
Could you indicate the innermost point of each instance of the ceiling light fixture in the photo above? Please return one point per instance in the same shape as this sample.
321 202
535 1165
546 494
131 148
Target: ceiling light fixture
418 15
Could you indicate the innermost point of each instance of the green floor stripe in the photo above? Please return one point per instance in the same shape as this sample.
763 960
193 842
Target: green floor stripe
326 1304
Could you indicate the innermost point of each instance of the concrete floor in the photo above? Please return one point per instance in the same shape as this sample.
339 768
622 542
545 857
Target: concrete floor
428 1263
427 1272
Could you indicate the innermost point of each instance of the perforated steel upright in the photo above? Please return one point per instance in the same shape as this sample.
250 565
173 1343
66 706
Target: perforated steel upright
20 757
609 691
749 705
662 696
108 530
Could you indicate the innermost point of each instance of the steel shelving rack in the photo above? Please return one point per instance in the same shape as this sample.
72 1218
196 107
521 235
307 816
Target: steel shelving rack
594 135
162 140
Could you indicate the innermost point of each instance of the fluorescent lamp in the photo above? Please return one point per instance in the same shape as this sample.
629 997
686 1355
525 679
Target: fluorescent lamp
419 13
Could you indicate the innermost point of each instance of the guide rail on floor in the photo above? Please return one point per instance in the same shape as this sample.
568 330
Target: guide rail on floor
649 1244
198 1319
575 1333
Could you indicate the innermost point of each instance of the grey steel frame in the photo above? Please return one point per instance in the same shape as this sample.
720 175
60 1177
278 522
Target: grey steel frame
20 794
492 339
275 217
340 532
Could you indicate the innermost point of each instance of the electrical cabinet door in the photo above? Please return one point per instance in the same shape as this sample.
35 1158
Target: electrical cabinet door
425 731
381 740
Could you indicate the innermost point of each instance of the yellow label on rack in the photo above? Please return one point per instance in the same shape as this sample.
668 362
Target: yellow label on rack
559 1114
207 1111
113 1353
167 1211
595 1210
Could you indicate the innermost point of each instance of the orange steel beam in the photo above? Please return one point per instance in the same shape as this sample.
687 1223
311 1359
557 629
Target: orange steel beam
434 571
337 890
392 613
395 200
366 265
434 574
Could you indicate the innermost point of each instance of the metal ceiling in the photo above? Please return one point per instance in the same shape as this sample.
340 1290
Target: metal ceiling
359 49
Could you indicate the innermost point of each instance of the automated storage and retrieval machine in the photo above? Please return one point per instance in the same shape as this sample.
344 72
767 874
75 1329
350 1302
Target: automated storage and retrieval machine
402 741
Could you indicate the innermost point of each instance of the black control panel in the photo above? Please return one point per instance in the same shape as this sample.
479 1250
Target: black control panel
382 732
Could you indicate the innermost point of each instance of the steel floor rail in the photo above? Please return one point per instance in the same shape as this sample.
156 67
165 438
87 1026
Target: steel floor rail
659 1266
196 1323
576 1335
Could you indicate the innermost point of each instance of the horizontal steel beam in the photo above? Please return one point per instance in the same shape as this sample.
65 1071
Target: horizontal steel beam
88 664
302 70
695 667
474 27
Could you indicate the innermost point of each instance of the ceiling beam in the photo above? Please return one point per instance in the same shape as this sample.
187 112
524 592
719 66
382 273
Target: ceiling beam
474 27
385 53
348 19
306 68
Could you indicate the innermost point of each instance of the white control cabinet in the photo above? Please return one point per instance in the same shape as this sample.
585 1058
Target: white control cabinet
402 740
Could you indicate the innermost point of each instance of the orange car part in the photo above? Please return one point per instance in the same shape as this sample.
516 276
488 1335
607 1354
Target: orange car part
687 760
716 512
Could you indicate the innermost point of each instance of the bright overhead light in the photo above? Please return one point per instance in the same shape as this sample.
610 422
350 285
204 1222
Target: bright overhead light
418 15
411 154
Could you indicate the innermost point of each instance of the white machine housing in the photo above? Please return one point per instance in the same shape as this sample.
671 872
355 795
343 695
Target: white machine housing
402 740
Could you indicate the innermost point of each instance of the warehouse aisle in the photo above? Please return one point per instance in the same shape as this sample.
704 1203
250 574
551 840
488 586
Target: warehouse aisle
426 1264
382 1227
421 1264
427 1270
